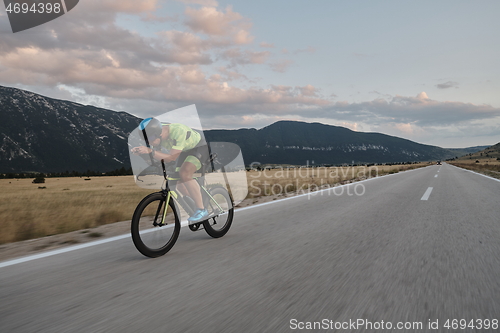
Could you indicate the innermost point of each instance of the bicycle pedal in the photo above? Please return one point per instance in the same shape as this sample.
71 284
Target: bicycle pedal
196 226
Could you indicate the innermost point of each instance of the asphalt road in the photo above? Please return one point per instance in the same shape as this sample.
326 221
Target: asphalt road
388 250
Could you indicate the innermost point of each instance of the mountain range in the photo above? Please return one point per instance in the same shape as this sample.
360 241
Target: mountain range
42 134
488 155
302 143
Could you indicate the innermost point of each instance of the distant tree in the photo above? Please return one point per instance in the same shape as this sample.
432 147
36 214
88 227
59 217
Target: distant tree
39 179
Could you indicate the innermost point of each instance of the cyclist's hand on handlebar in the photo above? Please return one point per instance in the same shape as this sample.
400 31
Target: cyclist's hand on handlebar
141 150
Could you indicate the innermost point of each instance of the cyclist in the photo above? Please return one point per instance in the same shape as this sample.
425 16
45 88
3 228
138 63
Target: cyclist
184 145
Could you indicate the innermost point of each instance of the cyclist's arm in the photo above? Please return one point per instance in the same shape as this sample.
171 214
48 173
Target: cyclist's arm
171 156
158 155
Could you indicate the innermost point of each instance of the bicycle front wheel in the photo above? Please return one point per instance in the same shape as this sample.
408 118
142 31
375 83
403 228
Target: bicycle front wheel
155 225
221 212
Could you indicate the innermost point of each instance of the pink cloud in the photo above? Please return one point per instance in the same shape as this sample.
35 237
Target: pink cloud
101 73
210 3
264 44
96 57
232 75
185 47
281 66
309 90
217 23
124 6
238 57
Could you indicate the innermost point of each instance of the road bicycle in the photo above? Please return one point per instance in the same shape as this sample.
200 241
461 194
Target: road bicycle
156 224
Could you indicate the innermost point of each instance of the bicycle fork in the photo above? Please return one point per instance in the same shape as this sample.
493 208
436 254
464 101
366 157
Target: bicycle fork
158 211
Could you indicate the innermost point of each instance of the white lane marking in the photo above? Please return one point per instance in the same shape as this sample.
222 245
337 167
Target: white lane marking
435 176
183 224
427 194
76 247
63 250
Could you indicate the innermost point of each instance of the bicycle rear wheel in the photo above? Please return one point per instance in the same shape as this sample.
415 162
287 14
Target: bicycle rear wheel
220 214
155 225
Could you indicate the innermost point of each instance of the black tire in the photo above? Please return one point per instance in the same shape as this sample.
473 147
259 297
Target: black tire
219 223
154 241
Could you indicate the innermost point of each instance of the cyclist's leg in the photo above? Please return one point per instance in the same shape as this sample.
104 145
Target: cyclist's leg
181 188
179 185
190 164
188 168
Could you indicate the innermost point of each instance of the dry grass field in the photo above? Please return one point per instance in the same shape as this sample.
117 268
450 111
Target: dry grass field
488 167
486 161
62 205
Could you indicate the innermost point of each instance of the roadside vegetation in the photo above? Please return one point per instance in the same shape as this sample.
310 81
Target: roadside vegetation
31 209
489 168
486 162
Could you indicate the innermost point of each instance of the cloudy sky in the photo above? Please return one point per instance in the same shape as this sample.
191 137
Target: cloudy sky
428 71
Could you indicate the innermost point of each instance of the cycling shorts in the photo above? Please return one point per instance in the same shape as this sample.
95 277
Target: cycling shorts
197 156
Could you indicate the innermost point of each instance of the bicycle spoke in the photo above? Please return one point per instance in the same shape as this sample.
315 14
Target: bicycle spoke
221 212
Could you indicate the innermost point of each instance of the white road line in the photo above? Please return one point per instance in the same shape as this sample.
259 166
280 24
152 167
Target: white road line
183 224
62 250
435 176
427 194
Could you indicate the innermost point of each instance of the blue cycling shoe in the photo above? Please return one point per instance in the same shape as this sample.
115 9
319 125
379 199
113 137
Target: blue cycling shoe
198 216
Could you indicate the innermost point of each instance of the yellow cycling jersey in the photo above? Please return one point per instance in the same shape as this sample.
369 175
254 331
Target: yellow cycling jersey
181 137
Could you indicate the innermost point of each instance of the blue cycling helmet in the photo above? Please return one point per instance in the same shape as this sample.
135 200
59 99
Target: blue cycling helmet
151 127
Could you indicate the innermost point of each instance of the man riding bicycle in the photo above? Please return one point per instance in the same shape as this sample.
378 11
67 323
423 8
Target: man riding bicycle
184 145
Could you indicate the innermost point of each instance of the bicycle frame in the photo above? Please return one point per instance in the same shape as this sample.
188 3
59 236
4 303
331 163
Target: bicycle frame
159 216
157 238
177 197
